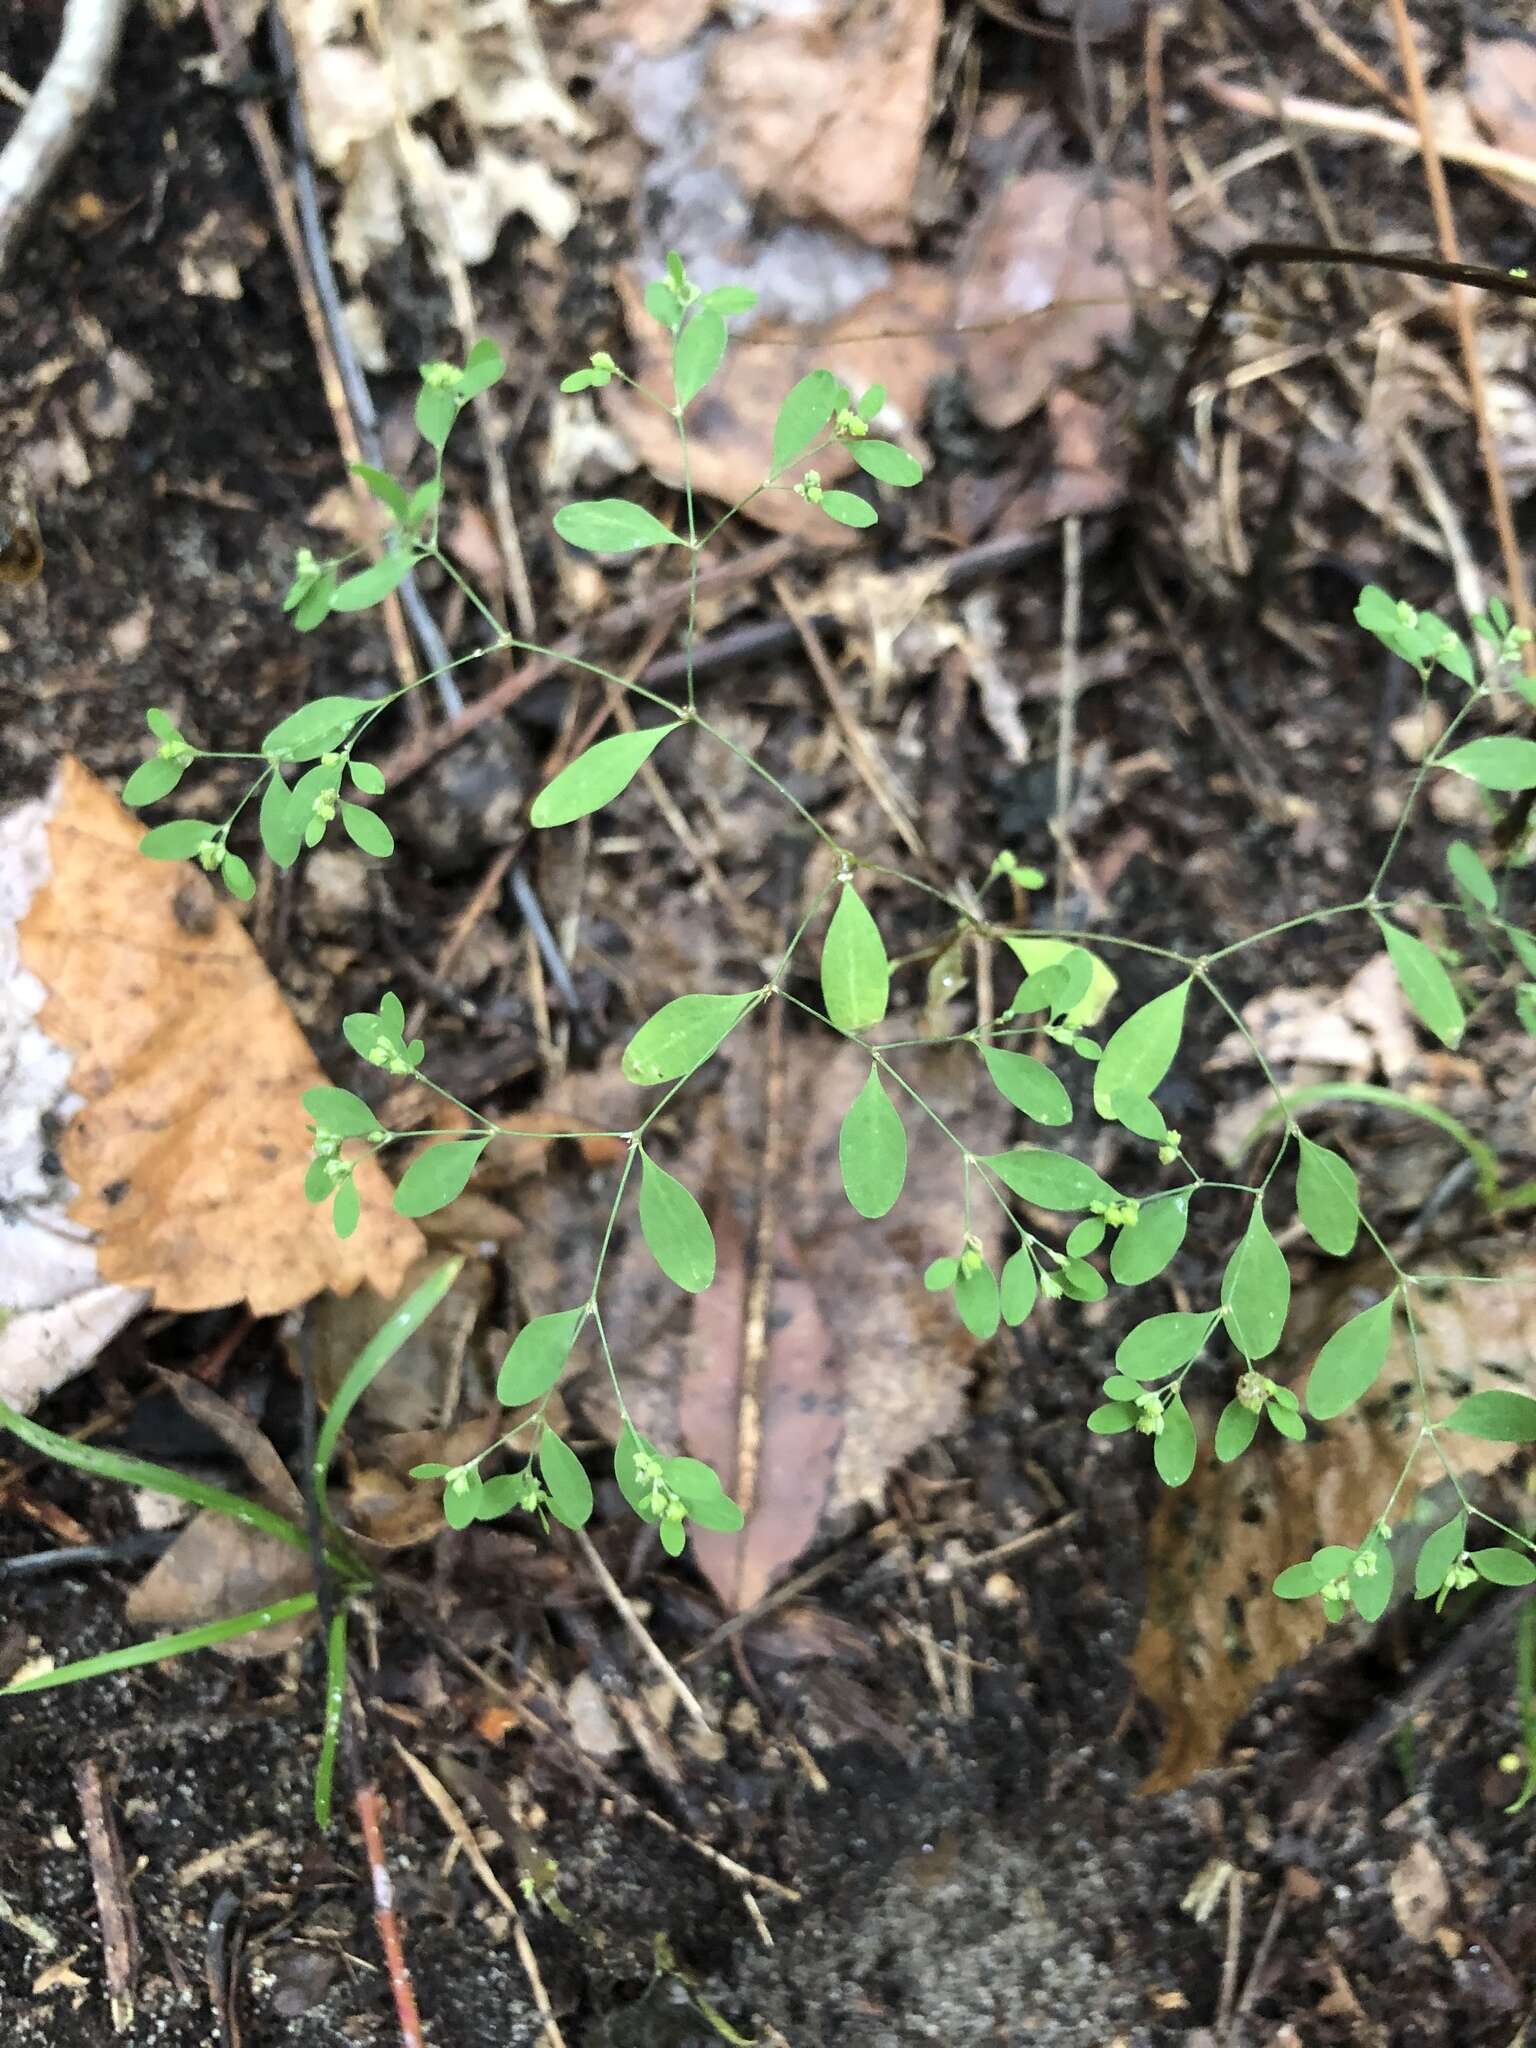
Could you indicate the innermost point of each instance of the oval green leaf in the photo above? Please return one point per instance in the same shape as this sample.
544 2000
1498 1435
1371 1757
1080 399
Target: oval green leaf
1498 1416
1328 1198
886 462
1051 1180
1174 1446
1150 1244
1029 1085
611 526
177 841
976 1300
855 973
1164 1344
1469 871
340 1112
565 1481
872 1150
314 729
367 830
681 1036
484 366
1234 1431
1018 1288
806 410
1441 1549
153 779
438 1176
1500 763
537 1357
675 1228
1503 1567
596 777
1424 981
697 353
1349 1362
1256 1289
370 586
1371 1589
1113 1419
847 509
1142 1050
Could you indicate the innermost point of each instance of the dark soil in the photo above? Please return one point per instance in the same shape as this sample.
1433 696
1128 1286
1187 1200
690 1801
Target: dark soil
967 1874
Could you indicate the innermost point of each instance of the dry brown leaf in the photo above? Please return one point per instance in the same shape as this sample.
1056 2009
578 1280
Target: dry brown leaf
1501 91
730 429
824 107
1214 1635
217 1568
191 1148
1420 1894
1047 247
862 1365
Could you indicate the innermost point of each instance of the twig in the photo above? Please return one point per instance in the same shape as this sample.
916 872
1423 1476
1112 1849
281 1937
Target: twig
645 1641
56 113
1253 1984
1466 328
221 1963
1070 682
1226 2001
114 1903
1157 118
1028 1540
369 1809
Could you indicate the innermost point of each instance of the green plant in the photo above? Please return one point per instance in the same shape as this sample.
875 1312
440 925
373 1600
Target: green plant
1134 1236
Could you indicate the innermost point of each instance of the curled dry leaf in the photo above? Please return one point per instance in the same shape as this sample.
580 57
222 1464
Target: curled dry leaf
1214 1634
190 1148
1049 277
893 336
824 108
216 1568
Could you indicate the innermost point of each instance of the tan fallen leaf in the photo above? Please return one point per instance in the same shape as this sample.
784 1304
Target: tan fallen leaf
1420 1894
825 107
1214 1635
216 1568
190 1146
1060 269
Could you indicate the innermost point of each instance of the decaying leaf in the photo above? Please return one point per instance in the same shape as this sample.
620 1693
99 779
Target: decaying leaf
1420 1894
190 1149
1060 268
824 107
855 1364
215 1568
1501 91
1214 1634
422 1382
730 429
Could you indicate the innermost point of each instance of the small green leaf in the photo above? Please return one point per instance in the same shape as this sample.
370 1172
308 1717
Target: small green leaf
1498 1416
436 411
730 298
483 367
855 973
153 779
611 526
1140 1115
280 822
596 777
941 1275
848 510
366 777
1349 1362
340 1112
1503 763
1328 1198
1503 1567
1150 1244
1525 948
438 1176
367 830
369 586
179 840
976 1299
1297 1582
1018 1288
1118 1388
1286 1422
565 1481
1164 1344
681 1036
389 494
1441 1549
314 729
661 302
871 404
1371 1591
1142 1050
537 1357
315 606
675 1228
161 723
1029 1085
803 416
1256 1289
719 1513
1086 1237
872 1150
886 462
630 1445
1051 1180
697 353
1173 1448
461 1499
1113 1419
1234 1432
1081 1282
423 501
1469 871
1425 983
429 1471
1098 983
347 1209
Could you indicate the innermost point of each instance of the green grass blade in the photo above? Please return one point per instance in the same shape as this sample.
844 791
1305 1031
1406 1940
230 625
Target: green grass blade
335 1703
160 1647
159 1478
381 1347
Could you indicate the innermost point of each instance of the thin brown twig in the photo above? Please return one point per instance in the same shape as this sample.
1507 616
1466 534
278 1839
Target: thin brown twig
647 1644
1462 306
54 115
1157 120
403 1991
114 1901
